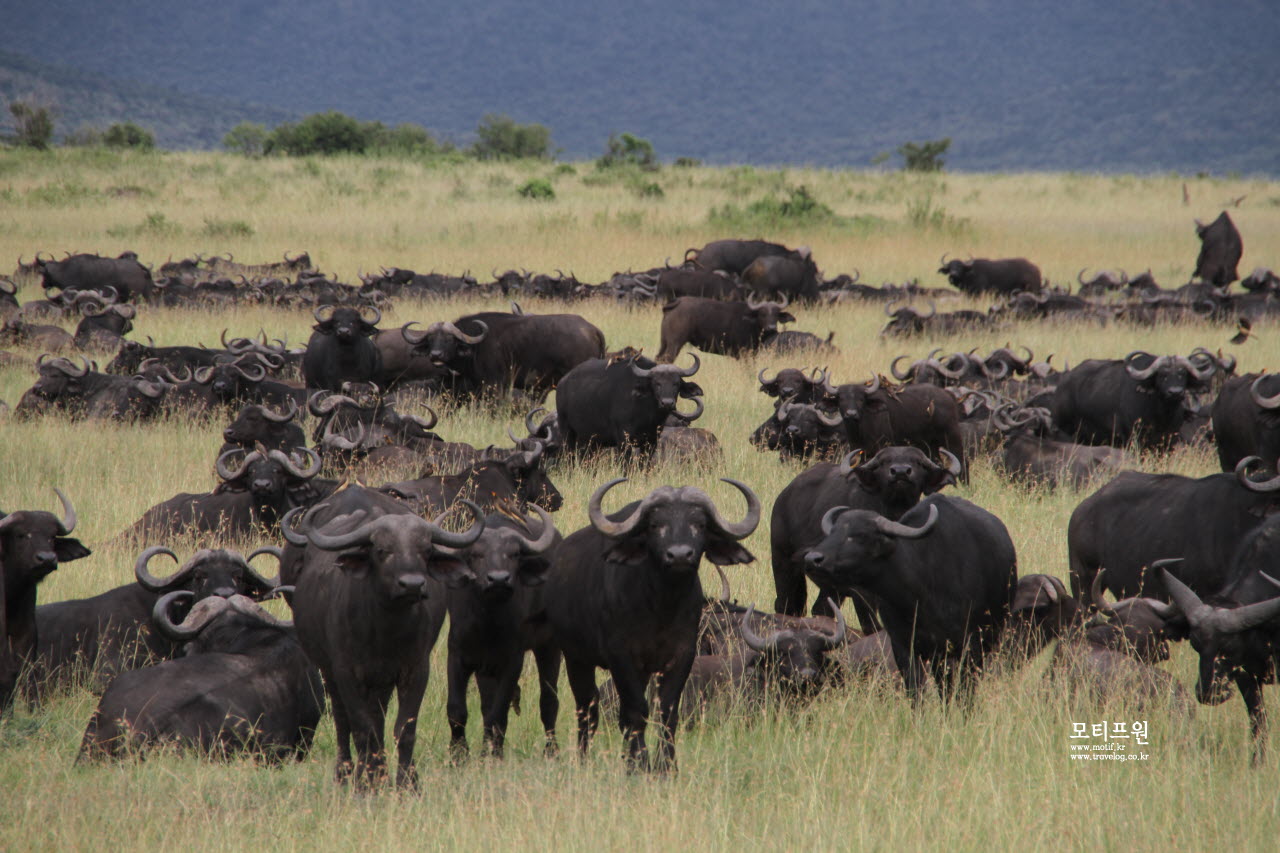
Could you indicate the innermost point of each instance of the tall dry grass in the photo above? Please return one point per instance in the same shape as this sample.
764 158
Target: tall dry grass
860 767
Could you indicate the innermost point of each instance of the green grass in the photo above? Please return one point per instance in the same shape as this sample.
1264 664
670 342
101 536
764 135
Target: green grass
860 768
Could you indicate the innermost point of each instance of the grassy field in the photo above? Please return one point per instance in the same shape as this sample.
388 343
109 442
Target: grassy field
858 769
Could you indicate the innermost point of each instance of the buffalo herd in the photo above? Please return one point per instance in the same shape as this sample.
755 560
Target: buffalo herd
373 568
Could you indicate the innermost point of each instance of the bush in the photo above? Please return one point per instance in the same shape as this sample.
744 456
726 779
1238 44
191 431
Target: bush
87 136
32 124
650 189
247 138
128 135
502 138
538 189
224 228
628 150
404 139
924 156
687 162
797 208
319 133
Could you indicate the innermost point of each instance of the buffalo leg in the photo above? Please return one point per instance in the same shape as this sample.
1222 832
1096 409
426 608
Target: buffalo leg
496 695
582 681
456 706
633 713
342 731
1251 692
788 581
548 660
409 693
670 687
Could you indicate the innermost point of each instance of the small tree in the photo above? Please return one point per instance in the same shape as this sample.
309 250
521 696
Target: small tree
246 138
319 133
924 156
33 124
502 138
625 149
128 135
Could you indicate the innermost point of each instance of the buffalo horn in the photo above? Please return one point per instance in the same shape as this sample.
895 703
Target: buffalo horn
602 523
1136 373
266 584
200 616
1255 393
150 582
753 640
1224 620
1242 474
226 473
834 641
280 419
902 531
829 519
546 534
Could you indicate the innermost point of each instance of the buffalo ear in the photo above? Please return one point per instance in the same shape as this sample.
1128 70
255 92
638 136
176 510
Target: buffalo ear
447 567
727 552
69 549
786 317
630 549
690 389
866 475
533 571
937 479
770 388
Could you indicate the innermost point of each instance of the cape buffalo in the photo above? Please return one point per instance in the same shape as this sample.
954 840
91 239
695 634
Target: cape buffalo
1003 276
943 579
726 328
340 349
623 594
1220 251
878 415
1246 419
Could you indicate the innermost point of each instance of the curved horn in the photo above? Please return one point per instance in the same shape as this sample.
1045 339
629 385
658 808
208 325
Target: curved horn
1080 276
1096 593
150 582
952 462
412 341
464 337
1203 374
1255 394
753 640
263 582
226 473
324 402
321 310
902 531
291 535
600 522
893 368
1242 471
828 420
68 522
1136 373
749 522
829 519
289 465
760 376
194 623
268 414
529 418
837 639
448 539
689 371
546 536
726 594
875 384
377 315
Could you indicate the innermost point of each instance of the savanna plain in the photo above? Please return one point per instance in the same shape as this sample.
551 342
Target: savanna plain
860 767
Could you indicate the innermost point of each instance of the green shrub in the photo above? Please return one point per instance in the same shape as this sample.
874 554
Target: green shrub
538 189
247 138
156 224
502 138
625 149
924 156
221 228
650 189
86 136
128 135
320 133
686 162
33 125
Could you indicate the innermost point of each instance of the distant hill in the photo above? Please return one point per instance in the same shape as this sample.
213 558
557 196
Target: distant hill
1141 85
83 99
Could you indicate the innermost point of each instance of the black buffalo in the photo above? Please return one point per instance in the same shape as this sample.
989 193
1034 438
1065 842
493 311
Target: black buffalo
794 276
624 594
1003 276
32 544
942 577
878 415
725 328
889 485
341 348
672 284
733 256
368 608
83 392
622 403
243 685
516 477
257 424
131 280
112 632
1138 519
495 616
1140 398
1220 251
1246 419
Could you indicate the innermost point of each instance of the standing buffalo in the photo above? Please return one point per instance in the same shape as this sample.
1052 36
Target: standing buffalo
1002 277
879 415
889 484
494 352
726 328
672 284
1138 519
792 276
243 685
131 280
341 348
495 616
368 609
735 256
623 594
1220 251
32 544
943 579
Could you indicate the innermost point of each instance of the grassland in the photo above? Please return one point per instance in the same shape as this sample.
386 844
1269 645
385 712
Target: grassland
859 769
